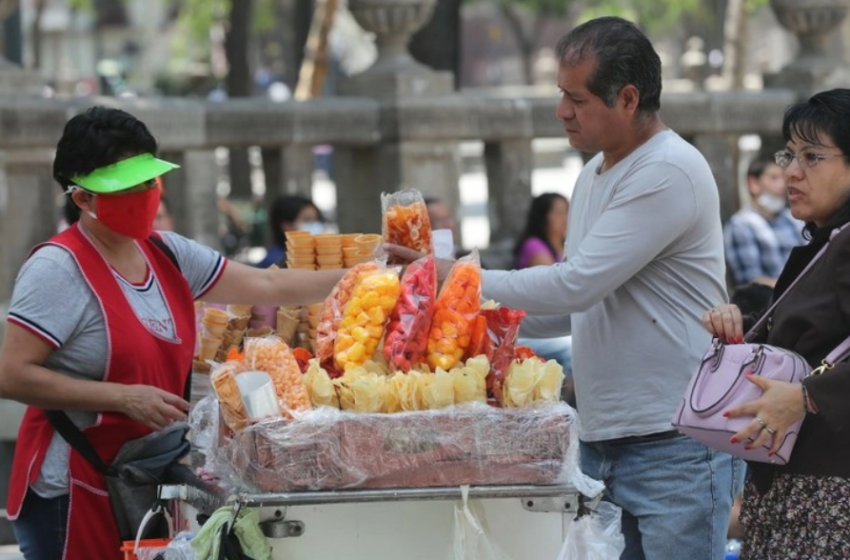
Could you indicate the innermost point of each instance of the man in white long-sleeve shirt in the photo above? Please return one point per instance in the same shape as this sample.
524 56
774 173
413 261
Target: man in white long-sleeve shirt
644 260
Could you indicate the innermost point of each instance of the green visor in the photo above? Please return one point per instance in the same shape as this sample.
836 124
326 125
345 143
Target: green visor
124 174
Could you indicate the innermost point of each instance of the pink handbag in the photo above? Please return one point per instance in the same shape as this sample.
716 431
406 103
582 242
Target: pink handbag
720 383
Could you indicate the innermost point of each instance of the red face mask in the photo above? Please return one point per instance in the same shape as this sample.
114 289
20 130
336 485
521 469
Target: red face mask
129 214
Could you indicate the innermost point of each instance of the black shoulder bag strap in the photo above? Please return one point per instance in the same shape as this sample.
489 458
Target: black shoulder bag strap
71 433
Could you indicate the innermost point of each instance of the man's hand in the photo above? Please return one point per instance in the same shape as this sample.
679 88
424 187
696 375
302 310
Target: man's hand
151 406
409 255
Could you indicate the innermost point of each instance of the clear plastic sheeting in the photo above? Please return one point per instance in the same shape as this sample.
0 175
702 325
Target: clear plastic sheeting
326 449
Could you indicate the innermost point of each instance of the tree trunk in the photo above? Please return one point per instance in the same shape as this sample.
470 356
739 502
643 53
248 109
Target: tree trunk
314 67
239 83
735 43
35 34
524 42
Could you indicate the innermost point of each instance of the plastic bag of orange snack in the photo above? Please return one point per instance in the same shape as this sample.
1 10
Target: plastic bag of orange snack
456 308
365 316
405 343
406 221
272 355
331 314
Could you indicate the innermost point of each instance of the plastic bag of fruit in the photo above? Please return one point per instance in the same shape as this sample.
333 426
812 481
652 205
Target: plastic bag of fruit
406 338
365 316
455 311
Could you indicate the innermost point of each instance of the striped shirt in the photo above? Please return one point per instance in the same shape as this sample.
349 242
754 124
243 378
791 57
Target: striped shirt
756 246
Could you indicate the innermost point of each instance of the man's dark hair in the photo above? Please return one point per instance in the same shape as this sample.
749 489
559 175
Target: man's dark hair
759 165
623 55
101 136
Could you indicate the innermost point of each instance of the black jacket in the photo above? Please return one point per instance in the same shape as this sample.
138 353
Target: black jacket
812 320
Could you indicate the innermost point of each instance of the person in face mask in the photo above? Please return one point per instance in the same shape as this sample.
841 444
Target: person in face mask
101 325
759 237
290 213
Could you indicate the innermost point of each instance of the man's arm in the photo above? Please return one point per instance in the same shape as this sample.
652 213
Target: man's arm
629 234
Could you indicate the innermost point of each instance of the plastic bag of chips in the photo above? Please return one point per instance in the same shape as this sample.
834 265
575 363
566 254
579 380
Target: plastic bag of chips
223 379
456 308
406 339
273 355
406 221
331 314
364 318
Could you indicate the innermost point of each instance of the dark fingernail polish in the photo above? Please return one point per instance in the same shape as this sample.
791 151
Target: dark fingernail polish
748 373
726 415
747 447
770 453
734 440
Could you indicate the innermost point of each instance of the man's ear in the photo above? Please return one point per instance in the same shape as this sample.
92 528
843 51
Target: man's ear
630 97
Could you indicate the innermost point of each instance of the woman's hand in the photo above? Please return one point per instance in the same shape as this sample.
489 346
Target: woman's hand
780 405
409 255
151 406
725 322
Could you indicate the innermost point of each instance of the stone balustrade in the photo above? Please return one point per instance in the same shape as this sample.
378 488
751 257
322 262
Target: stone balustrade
423 131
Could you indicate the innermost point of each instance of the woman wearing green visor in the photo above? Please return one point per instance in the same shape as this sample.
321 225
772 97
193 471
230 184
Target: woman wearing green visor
101 325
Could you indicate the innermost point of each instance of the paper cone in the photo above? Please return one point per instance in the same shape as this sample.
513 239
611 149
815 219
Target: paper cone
208 347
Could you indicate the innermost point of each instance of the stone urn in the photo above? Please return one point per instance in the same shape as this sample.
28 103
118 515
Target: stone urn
811 21
395 72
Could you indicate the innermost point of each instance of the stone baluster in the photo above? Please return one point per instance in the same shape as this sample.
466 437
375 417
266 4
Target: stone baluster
191 191
811 21
721 152
509 166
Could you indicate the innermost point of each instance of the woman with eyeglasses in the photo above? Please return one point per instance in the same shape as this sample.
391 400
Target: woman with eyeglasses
802 509
101 325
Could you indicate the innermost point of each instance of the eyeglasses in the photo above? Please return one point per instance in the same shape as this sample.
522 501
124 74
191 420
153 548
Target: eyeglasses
784 158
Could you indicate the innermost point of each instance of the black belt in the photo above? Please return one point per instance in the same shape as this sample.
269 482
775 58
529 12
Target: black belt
658 436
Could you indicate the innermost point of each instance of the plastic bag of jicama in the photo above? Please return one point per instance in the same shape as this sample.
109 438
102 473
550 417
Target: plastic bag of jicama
331 314
364 318
273 355
405 342
532 380
406 221
456 308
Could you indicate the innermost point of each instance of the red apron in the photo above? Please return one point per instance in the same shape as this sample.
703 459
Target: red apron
135 355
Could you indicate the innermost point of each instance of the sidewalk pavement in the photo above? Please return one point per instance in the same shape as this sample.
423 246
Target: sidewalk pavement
10 552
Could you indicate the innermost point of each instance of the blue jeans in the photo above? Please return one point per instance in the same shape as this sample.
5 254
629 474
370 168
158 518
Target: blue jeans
676 495
40 528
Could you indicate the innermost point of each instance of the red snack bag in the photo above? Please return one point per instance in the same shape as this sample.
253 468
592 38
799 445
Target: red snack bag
500 346
406 337
455 311
406 221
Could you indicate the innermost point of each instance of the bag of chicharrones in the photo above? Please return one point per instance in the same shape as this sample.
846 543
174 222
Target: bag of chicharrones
470 539
595 535
406 336
457 306
406 221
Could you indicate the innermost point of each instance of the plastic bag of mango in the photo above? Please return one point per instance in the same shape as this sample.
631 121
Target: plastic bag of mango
372 388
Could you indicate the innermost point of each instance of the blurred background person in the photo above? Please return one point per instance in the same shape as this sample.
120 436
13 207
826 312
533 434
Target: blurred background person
543 242
442 217
545 234
290 213
759 237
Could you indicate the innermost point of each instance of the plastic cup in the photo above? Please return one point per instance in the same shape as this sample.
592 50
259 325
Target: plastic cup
258 394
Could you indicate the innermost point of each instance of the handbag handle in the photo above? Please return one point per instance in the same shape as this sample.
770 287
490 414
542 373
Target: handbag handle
841 351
